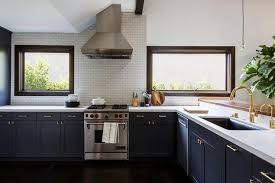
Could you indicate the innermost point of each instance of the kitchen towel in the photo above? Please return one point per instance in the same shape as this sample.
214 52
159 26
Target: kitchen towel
110 133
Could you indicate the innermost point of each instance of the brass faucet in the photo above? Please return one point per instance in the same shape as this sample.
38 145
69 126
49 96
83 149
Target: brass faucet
272 121
252 111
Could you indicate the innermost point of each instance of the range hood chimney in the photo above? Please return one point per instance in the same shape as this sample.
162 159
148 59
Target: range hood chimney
108 42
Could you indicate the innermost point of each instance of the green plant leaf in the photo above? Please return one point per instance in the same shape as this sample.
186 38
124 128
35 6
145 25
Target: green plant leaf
273 37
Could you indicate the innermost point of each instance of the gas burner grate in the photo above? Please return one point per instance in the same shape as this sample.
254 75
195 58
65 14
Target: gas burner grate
120 106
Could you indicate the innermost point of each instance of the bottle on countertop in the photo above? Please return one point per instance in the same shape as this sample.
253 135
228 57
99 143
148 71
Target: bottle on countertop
135 100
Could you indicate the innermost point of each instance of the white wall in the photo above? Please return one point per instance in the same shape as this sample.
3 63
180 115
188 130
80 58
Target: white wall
211 23
114 80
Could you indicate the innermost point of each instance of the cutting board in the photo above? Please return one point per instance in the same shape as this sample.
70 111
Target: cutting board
196 109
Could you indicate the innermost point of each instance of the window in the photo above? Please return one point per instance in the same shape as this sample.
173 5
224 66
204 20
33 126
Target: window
44 70
191 71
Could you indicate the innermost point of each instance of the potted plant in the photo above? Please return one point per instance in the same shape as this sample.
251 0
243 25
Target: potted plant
260 72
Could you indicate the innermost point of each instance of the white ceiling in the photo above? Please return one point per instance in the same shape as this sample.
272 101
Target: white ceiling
70 16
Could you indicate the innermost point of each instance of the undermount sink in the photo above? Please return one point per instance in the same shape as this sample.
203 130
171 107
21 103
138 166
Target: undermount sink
231 124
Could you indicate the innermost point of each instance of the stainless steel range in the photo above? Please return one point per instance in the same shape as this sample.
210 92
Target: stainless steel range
96 121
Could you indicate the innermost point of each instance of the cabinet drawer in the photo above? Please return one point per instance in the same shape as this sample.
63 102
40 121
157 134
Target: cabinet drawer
5 116
165 118
24 116
48 116
141 116
76 116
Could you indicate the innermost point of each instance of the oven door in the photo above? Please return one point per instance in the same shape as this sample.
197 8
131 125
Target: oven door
93 137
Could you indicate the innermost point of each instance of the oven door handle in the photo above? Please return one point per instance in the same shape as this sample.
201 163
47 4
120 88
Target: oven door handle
103 123
89 124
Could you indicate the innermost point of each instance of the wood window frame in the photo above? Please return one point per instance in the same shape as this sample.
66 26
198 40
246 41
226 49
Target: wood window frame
230 68
20 63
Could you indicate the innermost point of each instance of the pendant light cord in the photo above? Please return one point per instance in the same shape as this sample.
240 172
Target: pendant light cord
243 24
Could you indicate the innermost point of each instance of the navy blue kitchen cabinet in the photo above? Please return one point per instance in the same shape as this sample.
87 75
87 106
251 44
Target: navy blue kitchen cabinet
207 155
61 135
238 164
152 135
72 135
41 135
5 66
5 135
24 134
196 158
262 171
48 138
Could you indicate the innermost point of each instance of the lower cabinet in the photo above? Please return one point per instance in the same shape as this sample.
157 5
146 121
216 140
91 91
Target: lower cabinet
72 139
238 164
24 138
196 158
5 139
41 135
152 135
206 155
48 138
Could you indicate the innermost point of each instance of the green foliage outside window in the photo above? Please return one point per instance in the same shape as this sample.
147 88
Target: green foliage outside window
37 77
176 85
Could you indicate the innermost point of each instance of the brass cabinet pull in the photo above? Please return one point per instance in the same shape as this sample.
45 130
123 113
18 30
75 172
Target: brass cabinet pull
140 116
71 116
61 122
162 116
266 176
232 148
251 181
22 116
57 122
47 116
149 122
9 122
199 141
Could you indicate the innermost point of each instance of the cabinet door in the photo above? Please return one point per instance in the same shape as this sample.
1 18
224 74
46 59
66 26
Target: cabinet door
48 137
24 138
141 143
5 139
196 158
72 141
214 158
238 164
214 164
163 140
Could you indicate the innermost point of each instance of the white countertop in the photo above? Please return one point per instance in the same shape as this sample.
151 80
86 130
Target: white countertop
18 108
259 142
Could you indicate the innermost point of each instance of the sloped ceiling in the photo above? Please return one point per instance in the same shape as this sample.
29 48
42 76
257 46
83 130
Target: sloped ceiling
69 16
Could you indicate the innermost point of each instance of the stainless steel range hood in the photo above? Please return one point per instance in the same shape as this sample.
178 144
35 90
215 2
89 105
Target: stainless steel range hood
108 42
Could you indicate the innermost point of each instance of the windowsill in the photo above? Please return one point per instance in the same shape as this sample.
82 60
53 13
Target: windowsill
43 93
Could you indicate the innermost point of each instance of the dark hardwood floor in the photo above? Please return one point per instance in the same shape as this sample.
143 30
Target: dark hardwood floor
90 172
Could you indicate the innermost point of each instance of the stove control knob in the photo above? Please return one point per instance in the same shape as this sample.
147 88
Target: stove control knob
92 116
96 115
106 116
120 115
116 115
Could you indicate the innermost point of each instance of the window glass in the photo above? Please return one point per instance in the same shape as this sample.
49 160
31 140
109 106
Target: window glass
189 71
46 71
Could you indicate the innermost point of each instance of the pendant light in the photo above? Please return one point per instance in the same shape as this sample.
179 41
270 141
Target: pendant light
243 46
